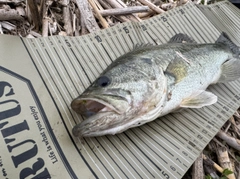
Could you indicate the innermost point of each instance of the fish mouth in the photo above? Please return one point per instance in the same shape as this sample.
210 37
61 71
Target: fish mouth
88 106
97 125
100 112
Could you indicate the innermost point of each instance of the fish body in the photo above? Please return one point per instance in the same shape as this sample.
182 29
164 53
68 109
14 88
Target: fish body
152 81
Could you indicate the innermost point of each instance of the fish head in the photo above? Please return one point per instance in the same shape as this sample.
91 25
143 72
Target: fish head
119 99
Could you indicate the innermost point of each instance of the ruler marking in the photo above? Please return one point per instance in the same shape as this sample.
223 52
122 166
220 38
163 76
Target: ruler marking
52 86
124 158
167 128
136 157
158 143
52 136
85 61
143 142
101 55
118 54
60 59
65 69
172 118
198 23
138 136
88 59
106 52
98 159
54 83
107 152
60 51
84 71
143 152
61 79
79 78
171 155
163 136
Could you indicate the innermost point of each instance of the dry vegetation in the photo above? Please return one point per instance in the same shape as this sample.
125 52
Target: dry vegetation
78 17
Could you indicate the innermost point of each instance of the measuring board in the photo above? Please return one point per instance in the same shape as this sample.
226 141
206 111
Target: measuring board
46 74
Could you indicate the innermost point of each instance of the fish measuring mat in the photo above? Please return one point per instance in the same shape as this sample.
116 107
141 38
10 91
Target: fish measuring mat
165 148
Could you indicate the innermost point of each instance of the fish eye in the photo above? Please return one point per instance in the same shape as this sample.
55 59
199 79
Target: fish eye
103 81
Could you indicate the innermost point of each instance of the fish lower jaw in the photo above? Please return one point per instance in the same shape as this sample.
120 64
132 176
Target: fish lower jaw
112 131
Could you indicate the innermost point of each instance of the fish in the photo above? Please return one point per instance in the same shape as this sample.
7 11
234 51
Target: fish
152 81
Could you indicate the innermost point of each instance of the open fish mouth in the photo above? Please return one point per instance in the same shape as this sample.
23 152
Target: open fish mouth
100 113
91 106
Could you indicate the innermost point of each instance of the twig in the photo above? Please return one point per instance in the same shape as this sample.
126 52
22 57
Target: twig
209 169
233 142
152 6
234 126
148 14
9 14
44 18
15 2
83 25
197 169
228 126
99 6
98 14
168 6
1 31
107 6
7 25
67 18
123 11
118 4
34 14
212 163
224 160
87 16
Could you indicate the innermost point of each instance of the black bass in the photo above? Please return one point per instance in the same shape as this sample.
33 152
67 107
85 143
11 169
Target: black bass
153 81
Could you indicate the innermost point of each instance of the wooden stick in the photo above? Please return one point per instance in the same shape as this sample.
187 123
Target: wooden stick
216 166
44 18
152 6
99 6
197 169
116 4
7 25
9 14
16 2
107 6
87 16
34 13
78 22
67 18
228 126
234 126
168 6
224 161
233 142
124 5
98 14
123 11
143 15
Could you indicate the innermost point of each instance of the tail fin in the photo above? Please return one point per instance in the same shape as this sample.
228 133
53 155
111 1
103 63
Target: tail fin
224 39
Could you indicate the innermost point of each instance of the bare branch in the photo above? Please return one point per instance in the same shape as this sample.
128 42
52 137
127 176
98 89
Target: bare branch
123 11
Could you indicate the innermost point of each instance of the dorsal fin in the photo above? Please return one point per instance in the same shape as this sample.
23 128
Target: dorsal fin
142 45
224 39
182 38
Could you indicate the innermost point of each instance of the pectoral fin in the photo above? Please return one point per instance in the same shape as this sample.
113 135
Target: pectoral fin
199 99
230 70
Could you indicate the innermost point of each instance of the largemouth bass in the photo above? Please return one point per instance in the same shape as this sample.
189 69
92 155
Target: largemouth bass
152 81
